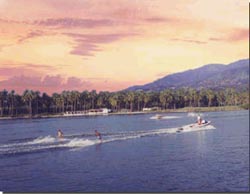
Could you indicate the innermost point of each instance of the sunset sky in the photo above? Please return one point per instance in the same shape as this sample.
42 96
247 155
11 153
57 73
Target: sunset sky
109 45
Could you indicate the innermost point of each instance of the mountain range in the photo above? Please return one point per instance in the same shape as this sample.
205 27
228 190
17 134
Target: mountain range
213 76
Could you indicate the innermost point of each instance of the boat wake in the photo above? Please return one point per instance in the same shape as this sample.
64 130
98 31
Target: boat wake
193 114
165 117
49 143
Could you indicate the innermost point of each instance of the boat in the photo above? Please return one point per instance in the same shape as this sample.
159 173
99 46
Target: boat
193 127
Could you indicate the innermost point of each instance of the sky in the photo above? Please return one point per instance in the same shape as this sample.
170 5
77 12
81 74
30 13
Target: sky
109 45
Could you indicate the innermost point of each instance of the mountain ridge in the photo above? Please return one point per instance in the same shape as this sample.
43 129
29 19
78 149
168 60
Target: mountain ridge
214 76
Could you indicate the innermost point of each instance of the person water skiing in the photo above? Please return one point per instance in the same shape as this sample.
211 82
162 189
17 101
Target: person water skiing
98 135
201 121
59 133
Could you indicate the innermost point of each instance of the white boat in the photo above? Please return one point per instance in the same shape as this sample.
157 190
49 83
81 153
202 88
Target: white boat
193 127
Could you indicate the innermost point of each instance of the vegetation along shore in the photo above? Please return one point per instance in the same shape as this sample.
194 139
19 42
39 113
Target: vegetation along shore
36 105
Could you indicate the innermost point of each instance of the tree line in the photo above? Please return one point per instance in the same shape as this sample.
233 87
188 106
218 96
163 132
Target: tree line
34 103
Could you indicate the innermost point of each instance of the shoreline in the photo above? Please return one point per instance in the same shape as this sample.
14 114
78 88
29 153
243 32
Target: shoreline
180 110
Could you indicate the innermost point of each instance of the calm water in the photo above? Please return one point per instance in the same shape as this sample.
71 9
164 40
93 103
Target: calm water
138 154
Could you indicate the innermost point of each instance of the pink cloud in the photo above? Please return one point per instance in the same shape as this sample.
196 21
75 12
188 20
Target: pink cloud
12 69
160 19
76 82
48 84
38 9
86 44
188 40
236 34
31 34
65 5
73 22
239 34
52 81
10 21
21 81
216 39
52 84
84 48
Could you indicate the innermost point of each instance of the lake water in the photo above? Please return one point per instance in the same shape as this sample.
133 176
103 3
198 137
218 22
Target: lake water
138 154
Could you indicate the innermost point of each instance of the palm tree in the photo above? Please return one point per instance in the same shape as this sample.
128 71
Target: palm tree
83 99
92 96
210 96
121 100
170 98
139 98
11 100
103 99
174 101
18 103
166 98
243 98
155 99
130 99
180 98
113 100
3 100
74 98
37 98
198 98
46 102
56 101
191 93
65 96
163 99
28 97
146 98
69 98
186 97
230 96
204 99
61 100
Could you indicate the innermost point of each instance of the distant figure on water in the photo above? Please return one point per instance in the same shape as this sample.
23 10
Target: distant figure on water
158 116
98 135
59 133
199 120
